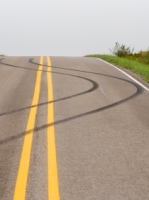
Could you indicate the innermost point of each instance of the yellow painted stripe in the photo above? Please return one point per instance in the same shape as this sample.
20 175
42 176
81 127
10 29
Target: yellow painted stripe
21 183
53 188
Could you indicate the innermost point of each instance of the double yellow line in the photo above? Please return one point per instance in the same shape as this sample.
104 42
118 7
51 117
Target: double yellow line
21 183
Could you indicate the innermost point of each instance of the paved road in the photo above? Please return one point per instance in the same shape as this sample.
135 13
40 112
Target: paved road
78 130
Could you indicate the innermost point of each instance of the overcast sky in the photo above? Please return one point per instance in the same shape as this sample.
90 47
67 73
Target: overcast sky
72 27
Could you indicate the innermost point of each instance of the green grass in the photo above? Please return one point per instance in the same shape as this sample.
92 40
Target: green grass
142 57
2 55
138 68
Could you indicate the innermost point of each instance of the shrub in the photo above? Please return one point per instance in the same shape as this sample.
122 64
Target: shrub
121 50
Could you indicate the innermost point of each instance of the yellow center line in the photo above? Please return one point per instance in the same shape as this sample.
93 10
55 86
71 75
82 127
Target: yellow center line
53 188
21 183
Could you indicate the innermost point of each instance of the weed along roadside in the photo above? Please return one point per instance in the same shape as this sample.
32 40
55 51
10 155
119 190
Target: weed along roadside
137 64
138 68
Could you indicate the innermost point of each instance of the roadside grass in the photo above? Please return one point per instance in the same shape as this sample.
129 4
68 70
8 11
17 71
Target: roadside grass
142 57
138 68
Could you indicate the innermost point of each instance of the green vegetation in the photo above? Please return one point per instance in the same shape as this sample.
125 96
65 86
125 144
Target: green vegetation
139 68
124 57
142 57
2 55
121 50
126 52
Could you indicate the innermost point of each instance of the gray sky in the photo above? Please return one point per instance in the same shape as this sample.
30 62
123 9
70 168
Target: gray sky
72 27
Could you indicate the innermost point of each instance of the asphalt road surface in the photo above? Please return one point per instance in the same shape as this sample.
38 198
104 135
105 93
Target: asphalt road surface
71 129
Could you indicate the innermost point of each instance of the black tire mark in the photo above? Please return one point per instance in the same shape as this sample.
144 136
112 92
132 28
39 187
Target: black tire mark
139 91
94 87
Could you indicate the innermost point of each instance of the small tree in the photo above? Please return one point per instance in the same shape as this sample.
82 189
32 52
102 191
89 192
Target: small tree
121 50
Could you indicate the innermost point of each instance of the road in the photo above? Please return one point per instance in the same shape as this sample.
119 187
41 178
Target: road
72 128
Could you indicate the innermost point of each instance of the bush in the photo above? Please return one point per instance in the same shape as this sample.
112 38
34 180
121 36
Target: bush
127 52
121 50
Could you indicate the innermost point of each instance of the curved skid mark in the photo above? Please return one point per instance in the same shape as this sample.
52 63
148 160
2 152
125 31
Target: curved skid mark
139 91
94 87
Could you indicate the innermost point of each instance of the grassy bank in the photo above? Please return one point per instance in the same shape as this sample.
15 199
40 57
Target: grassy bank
138 68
